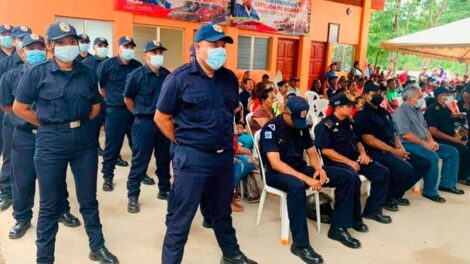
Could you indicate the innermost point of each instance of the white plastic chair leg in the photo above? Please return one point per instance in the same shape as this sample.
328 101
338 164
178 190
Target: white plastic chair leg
369 186
317 205
284 222
260 206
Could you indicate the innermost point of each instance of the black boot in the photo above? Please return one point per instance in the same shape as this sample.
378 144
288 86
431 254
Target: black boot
19 229
103 256
108 185
342 235
379 217
307 254
121 162
147 180
133 205
240 259
69 220
5 203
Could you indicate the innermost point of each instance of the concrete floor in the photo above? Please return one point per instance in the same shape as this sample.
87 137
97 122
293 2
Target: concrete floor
426 233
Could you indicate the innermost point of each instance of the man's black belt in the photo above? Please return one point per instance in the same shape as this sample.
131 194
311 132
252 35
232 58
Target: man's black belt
146 117
28 129
70 125
211 151
118 107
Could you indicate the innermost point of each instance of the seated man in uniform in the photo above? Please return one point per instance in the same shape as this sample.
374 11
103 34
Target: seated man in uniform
441 125
336 138
416 138
375 126
283 141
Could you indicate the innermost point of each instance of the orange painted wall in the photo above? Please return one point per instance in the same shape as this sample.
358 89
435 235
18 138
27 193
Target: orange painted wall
39 14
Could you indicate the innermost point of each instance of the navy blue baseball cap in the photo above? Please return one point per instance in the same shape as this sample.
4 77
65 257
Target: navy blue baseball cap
154 45
20 32
341 99
212 33
371 86
126 40
33 38
442 90
298 109
61 30
84 38
100 40
5 28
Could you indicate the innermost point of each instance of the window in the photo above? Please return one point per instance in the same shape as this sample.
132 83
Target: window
343 55
93 28
253 53
172 39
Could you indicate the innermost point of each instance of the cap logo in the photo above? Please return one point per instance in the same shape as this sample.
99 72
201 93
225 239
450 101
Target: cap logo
156 43
128 38
85 36
7 27
303 114
34 37
64 27
24 28
217 28
102 39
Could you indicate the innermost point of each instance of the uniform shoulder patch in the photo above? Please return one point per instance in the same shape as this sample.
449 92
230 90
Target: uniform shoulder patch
272 127
329 123
268 134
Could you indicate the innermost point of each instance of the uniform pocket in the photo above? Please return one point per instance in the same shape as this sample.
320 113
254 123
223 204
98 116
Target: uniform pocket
51 94
197 106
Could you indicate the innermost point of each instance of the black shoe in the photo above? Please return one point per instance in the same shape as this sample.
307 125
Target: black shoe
122 163
402 202
163 195
391 206
103 256
69 220
451 190
147 180
307 254
342 235
435 198
379 217
5 203
19 229
360 227
100 152
133 205
464 182
108 185
240 259
207 224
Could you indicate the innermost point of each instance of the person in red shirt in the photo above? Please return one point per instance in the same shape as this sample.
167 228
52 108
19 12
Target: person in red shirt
403 76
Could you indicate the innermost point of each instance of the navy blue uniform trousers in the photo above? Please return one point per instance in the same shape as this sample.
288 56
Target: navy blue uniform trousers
56 148
24 175
118 124
404 174
379 176
5 172
347 208
148 138
197 172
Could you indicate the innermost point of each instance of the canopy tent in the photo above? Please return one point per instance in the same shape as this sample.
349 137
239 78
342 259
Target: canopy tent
446 42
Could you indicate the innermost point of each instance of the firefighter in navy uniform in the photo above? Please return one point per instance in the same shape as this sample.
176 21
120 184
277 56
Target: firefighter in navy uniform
340 147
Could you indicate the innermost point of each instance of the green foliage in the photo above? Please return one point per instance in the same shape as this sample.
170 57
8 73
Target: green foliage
413 16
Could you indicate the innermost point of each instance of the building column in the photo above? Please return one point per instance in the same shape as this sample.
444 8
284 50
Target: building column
305 44
361 50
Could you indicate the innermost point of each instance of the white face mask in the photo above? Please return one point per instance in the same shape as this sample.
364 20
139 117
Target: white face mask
128 54
421 104
102 52
84 47
156 61
450 100
66 53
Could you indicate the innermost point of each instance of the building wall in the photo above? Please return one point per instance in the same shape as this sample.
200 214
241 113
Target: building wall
353 28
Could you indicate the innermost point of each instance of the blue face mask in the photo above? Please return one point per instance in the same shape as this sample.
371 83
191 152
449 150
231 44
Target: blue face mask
216 58
102 52
128 54
35 56
6 41
156 61
84 47
66 53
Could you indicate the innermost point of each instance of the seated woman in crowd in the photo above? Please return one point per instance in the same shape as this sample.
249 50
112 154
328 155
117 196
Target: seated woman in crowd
316 87
281 97
264 112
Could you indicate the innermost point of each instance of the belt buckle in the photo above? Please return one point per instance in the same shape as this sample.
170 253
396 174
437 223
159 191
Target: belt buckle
220 151
75 124
34 131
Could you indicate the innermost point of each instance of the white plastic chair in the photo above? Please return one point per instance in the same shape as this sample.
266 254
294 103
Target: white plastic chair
319 106
248 118
311 96
283 197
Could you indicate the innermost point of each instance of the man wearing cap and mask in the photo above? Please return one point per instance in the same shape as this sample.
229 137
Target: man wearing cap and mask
100 48
112 75
283 142
7 64
441 124
6 42
340 147
374 125
416 138
84 46
143 87
195 111
65 95
23 143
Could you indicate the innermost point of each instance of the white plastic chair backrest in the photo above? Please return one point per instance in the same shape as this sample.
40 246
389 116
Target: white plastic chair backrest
311 96
320 106
257 150
400 100
248 118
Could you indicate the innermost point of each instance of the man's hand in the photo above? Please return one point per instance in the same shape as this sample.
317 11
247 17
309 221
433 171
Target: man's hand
314 184
321 175
458 140
354 165
432 145
401 153
364 159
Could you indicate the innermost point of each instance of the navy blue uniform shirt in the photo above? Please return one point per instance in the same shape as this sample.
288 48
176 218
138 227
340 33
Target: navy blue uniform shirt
3 54
80 58
112 75
9 63
144 87
377 122
289 142
8 89
441 118
202 107
93 62
331 133
463 110
60 96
